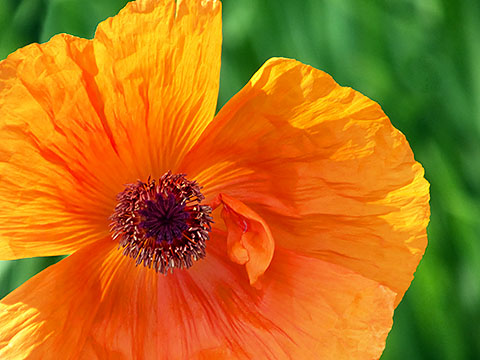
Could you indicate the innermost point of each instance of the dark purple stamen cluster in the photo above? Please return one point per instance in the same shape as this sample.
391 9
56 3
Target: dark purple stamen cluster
162 225
164 218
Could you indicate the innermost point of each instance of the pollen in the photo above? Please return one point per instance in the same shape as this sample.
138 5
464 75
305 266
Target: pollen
162 224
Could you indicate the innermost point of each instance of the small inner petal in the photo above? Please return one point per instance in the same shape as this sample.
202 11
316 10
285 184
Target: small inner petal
249 239
162 225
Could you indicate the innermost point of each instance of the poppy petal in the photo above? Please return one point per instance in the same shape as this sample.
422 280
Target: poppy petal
324 167
80 118
51 314
53 196
249 240
99 305
158 77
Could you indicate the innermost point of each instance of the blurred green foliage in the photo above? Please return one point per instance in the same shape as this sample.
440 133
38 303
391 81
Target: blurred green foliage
419 59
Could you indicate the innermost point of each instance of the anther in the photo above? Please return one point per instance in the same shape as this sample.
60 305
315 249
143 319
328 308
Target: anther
162 225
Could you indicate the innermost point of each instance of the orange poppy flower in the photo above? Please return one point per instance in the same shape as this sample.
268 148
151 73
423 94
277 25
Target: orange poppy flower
307 231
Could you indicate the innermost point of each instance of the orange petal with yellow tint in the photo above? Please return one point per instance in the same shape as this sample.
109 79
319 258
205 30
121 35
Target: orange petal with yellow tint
57 166
97 305
325 169
158 76
80 118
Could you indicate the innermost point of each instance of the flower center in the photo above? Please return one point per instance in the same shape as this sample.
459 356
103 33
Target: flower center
162 225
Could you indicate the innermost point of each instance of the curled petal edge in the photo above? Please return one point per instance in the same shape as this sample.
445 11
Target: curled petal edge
249 239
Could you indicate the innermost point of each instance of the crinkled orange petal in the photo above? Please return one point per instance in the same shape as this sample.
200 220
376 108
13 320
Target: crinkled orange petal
158 77
57 166
80 118
249 239
50 316
324 167
97 305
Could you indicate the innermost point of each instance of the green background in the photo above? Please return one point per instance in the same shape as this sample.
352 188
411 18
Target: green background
419 59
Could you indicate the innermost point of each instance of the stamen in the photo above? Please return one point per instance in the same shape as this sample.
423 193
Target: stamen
162 226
